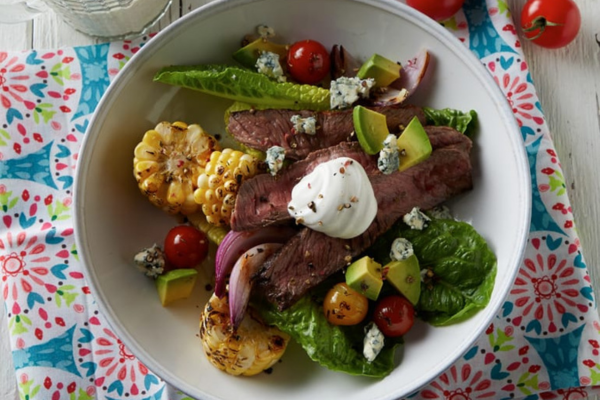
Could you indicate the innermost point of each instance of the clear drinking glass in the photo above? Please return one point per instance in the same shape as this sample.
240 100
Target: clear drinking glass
110 19
14 11
105 19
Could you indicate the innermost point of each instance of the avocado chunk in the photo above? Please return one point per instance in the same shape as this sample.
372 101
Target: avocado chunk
175 285
248 54
383 70
405 276
365 276
371 129
413 144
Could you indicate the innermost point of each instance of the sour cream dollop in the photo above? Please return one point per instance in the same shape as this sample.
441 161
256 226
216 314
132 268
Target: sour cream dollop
336 198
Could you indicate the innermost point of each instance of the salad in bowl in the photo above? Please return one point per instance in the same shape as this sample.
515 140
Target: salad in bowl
310 198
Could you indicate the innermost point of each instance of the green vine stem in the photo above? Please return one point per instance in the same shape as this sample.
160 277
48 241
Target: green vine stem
539 23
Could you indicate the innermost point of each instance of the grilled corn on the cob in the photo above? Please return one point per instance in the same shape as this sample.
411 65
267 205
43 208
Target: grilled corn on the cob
250 349
218 185
168 162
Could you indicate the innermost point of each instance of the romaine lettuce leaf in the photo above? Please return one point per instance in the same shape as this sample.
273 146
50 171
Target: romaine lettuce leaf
245 86
463 267
339 348
465 122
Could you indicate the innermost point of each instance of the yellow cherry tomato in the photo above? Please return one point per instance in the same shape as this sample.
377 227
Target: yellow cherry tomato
345 306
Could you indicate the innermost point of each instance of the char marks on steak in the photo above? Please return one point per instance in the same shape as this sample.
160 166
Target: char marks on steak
262 129
263 200
310 257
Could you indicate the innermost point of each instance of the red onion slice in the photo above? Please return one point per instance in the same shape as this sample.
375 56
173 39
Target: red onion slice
389 96
412 73
234 244
240 282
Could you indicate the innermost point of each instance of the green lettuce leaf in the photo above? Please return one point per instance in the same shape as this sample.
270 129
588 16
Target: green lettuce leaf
463 267
339 348
245 86
465 122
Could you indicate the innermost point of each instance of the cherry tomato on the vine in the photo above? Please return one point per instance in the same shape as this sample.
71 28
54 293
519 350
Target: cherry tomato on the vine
550 23
308 61
394 315
345 306
185 247
439 10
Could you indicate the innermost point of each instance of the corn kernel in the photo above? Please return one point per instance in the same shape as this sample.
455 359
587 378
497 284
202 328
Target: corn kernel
218 185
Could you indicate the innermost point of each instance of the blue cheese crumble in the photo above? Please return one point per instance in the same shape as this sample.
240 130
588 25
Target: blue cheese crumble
265 31
275 157
373 342
389 156
416 219
306 125
345 91
151 261
268 64
401 249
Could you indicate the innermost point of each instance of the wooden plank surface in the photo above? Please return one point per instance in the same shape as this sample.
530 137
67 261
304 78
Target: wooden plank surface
568 84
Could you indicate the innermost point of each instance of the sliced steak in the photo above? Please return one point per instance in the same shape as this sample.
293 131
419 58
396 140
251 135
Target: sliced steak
263 200
310 256
261 129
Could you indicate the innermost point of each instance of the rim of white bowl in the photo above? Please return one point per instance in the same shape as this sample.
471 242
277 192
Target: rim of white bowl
395 7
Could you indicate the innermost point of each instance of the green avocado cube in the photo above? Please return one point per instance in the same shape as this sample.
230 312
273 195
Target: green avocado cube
371 129
405 276
383 70
365 276
175 285
413 144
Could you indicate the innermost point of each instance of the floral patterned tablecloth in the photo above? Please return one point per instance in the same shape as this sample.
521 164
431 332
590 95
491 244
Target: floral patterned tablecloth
544 342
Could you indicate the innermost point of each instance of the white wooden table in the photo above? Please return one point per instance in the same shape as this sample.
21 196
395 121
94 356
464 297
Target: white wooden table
567 80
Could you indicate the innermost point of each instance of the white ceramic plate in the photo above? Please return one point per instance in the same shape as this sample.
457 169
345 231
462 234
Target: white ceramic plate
113 220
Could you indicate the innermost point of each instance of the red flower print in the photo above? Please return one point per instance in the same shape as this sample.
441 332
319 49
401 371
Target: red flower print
11 80
546 288
460 383
21 264
115 361
573 393
520 96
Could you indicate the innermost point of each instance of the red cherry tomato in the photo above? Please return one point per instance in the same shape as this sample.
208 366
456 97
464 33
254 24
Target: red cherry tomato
550 23
394 315
308 61
440 10
185 247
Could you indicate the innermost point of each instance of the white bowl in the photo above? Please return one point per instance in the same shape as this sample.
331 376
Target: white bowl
113 220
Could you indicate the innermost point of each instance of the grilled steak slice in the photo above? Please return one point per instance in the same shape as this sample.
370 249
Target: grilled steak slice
310 256
263 200
261 129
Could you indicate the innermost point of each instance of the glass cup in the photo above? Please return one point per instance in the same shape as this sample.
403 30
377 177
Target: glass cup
110 19
104 19
14 11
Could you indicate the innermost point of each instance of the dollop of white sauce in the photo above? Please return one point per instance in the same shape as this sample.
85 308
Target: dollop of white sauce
336 198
